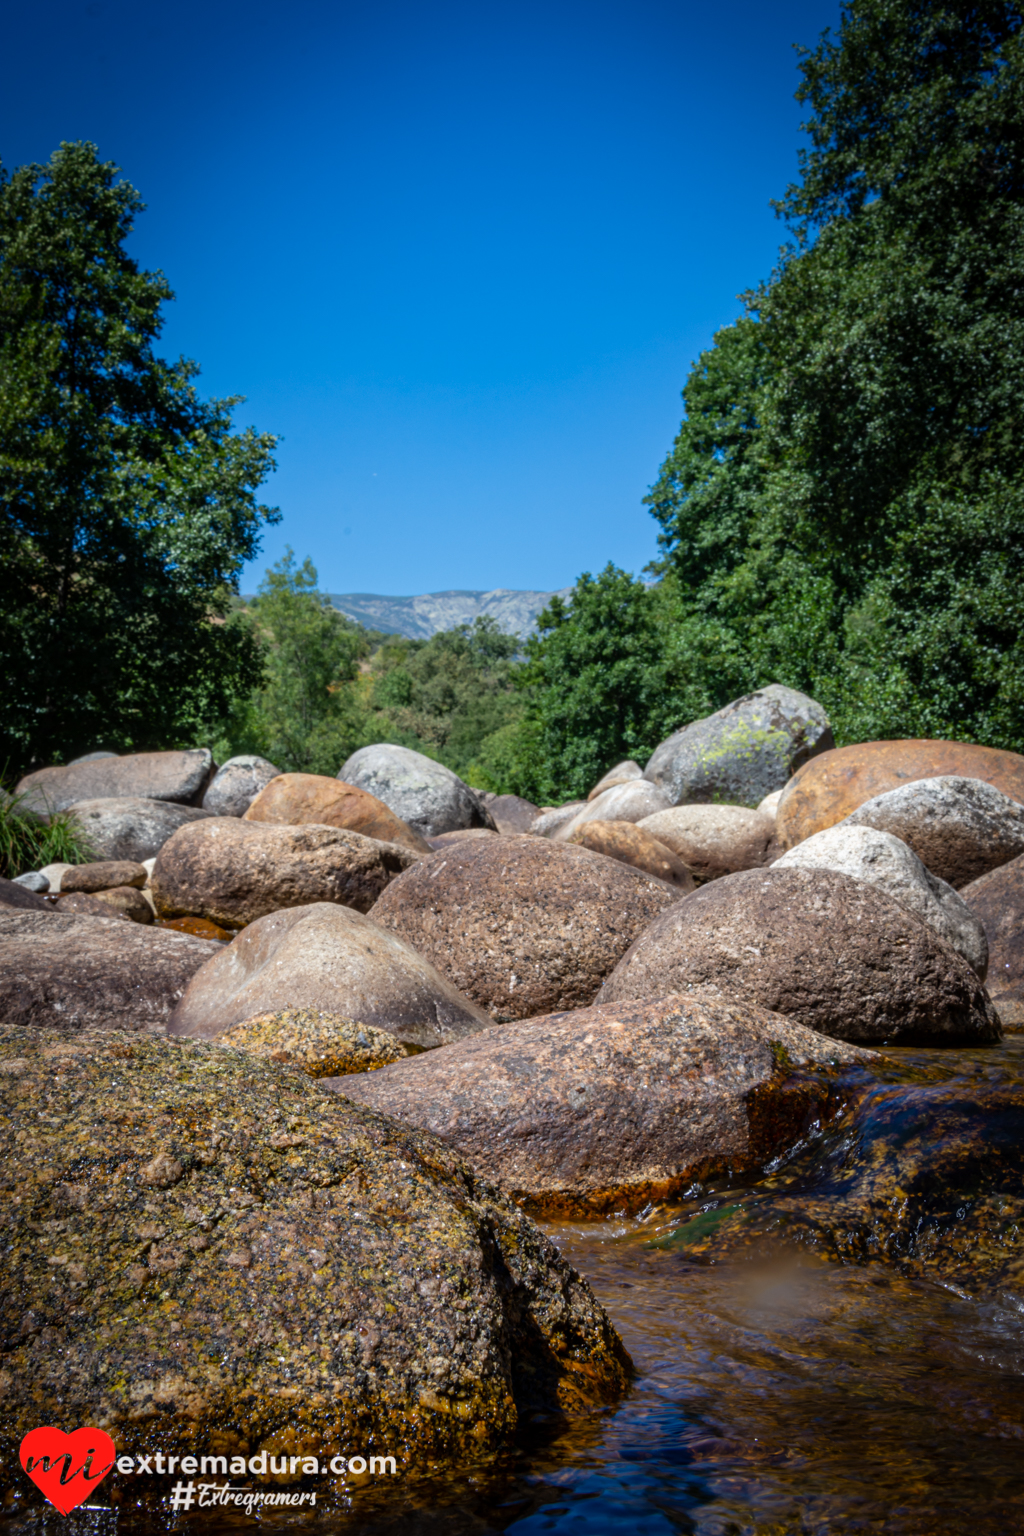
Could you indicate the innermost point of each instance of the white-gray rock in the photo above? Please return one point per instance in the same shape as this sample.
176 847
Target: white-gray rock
550 820
960 828
622 773
631 801
886 861
770 804
429 797
744 751
130 828
236 784
55 874
180 777
33 880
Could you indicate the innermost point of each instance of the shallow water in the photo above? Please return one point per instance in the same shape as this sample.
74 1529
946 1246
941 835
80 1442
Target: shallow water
787 1393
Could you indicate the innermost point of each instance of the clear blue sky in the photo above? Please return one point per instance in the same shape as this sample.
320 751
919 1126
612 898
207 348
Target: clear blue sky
459 256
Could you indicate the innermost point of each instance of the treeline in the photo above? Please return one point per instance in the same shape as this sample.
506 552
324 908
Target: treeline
842 509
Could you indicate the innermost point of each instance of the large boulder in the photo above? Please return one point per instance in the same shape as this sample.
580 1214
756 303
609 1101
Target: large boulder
427 795
206 1252
714 840
234 871
553 818
21 899
619 1104
299 799
883 860
742 752
960 828
630 844
67 972
236 784
521 925
333 959
177 776
631 801
997 901
129 829
622 773
831 787
510 813
827 950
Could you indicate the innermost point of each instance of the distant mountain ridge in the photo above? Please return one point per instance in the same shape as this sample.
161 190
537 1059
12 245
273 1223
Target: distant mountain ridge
420 617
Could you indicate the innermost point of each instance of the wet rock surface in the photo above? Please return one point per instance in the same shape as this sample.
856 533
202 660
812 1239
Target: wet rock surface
619 1104
829 951
997 901
175 776
204 1251
132 830
333 959
960 828
714 840
233 871
428 797
832 786
630 844
520 925
744 751
66 972
236 784
884 860
296 799
319 1044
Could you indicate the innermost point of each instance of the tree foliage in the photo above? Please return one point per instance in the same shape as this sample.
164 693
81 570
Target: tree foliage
127 503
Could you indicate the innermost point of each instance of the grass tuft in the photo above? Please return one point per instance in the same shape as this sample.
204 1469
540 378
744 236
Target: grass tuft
29 841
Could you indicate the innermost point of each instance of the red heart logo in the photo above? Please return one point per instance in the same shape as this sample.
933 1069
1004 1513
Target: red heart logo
66 1468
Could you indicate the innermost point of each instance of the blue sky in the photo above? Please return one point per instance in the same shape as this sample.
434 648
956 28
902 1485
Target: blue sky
459 256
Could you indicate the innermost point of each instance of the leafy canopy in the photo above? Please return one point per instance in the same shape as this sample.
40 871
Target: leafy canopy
127 503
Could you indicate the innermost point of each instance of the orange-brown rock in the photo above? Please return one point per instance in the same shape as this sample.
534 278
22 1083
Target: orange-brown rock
199 927
103 876
834 784
997 901
630 844
293 799
714 840
125 901
520 924
618 1104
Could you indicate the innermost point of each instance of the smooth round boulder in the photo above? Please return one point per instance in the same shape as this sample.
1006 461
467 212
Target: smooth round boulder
300 799
832 786
127 901
333 959
884 860
553 817
55 873
67 972
630 844
631 801
829 951
447 838
236 784
131 831
81 904
319 1044
997 901
175 776
210 1254
17 896
960 828
620 1104
622 773
714 840
428 797
743 752
33 880
103 876
233 871
522 925
510 813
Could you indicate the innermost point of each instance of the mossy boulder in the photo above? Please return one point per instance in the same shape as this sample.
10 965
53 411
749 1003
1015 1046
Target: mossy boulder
319 1044
206 1250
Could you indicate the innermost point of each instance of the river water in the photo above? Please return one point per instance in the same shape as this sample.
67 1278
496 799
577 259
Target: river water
781 1388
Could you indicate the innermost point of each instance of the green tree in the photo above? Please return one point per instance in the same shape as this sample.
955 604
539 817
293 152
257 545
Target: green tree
127 503
306 718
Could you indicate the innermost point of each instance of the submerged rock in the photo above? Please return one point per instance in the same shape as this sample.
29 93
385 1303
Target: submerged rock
829 951
333 959
620 1104
174 776
744 751
429 797
830 787
206 1252
522 925
67 972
